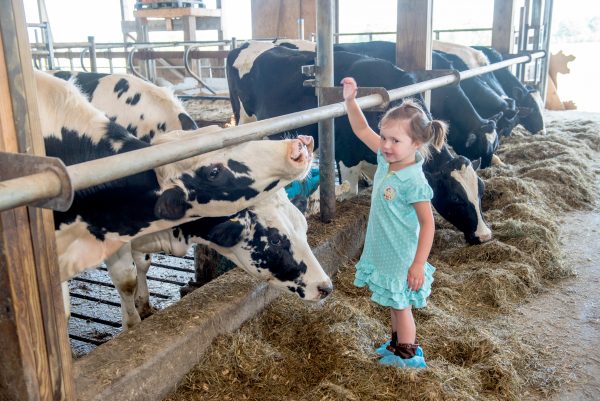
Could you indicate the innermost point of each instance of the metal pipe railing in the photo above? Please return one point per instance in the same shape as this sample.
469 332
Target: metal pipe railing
25 190
69 45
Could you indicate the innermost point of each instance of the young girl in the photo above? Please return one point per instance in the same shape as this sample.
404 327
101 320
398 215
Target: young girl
400 230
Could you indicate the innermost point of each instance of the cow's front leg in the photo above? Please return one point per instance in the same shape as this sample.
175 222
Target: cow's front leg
142 295
122 271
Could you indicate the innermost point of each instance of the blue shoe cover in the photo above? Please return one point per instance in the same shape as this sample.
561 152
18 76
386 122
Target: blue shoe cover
416 362
382 349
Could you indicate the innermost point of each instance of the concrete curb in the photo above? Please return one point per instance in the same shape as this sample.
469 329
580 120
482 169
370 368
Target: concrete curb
146 363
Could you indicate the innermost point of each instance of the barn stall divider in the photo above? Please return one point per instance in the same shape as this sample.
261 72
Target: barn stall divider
159 351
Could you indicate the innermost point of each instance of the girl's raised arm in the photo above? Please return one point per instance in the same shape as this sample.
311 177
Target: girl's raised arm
357 119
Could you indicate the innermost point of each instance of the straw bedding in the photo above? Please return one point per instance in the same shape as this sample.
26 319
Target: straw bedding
295 351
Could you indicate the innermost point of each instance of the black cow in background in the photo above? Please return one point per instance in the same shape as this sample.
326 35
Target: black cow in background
269 83
526 97
487 102
469 134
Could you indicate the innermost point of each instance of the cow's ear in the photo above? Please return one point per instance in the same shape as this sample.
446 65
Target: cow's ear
187 124
470 139
171 204
476 163
518 93
226 234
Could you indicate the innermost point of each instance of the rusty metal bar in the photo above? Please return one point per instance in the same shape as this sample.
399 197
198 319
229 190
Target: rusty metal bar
24 190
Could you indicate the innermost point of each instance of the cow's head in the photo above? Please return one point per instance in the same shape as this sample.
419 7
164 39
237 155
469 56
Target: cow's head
457 192
227 180
269 242
482 142
529 98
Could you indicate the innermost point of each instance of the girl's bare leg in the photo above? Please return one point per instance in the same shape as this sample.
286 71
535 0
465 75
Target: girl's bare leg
405 325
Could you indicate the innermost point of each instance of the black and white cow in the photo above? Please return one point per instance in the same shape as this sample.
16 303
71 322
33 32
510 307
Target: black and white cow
525 96
469 134
105 217
143 108
267 240
268 83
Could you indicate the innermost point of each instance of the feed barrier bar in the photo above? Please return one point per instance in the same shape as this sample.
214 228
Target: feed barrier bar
25 190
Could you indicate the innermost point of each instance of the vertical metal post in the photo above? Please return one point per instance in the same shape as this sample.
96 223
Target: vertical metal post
337 21
49 45
536 17
301 28
110 61
324 76
523 36
548 5
92 46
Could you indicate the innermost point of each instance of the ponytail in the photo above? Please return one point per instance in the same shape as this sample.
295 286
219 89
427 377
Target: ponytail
438 129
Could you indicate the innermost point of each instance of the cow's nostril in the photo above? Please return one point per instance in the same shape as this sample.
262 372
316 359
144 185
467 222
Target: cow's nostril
325 291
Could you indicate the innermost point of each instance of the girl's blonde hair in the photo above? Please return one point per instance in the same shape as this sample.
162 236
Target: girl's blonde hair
422 129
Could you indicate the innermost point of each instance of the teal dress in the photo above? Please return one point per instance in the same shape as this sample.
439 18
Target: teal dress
393 235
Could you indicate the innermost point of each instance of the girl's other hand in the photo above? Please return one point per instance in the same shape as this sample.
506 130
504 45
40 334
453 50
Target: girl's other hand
350 88
416 276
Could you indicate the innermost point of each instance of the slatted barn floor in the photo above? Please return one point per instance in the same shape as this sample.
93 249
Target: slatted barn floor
95 305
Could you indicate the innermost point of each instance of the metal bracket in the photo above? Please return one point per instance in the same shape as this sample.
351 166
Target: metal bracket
309 71
425 75
16 165
335 95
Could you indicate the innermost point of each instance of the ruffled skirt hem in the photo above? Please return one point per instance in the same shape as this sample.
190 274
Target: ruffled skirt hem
393 292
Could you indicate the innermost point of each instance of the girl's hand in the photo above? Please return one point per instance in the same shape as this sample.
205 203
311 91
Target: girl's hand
416 276
350 88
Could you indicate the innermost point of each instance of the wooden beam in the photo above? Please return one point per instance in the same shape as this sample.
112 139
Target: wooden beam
503 37
279 18
413 36
36 361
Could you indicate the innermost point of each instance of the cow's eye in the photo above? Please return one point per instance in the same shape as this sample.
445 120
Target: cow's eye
214 172
275 241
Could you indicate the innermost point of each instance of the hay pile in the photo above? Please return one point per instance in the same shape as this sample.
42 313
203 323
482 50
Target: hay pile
294 351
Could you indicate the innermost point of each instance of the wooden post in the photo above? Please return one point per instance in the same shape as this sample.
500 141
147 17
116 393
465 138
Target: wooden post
279 18
189 35
36 356
415 21
503 37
